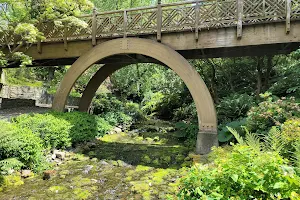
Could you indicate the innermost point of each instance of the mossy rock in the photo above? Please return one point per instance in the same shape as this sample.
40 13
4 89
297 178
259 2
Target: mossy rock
57 189
138 187
82 194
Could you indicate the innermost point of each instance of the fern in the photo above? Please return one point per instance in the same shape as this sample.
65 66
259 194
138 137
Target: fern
239 139
253 141
274 141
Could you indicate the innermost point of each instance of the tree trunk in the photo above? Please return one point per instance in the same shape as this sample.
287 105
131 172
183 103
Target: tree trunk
268 73
259 76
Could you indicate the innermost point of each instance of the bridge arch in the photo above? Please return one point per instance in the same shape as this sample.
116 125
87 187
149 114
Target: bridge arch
207 136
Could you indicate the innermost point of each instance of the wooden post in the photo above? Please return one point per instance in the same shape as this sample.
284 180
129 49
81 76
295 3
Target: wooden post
65 38
94 27
197 20
288 16
239 18
125 24
159 20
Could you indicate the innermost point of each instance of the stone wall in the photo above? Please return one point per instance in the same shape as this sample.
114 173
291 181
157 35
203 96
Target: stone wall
16 103
39 95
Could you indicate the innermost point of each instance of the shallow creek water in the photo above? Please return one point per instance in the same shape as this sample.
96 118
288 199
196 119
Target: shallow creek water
145 163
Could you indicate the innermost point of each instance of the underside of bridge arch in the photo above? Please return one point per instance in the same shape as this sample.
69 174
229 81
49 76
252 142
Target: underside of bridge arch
207 136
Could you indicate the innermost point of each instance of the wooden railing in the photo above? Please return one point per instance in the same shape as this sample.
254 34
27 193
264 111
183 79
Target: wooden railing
184 16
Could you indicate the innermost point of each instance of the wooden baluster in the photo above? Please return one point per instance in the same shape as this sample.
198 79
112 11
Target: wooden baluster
94 27
239 18
125 24
159 20
39 46
66 37
197 8
288 16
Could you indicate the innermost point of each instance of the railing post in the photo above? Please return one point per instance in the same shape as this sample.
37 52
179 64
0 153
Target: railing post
288 16
197 20
94 27
66 37
239 18
125 24
159 20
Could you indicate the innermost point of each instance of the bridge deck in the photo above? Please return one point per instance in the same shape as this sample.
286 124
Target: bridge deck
194 28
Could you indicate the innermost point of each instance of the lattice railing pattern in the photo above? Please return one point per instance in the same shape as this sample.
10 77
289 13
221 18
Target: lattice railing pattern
263 10
217 14
174 17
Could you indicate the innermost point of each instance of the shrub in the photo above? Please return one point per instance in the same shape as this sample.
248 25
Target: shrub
271 113
186 112
234 107
151 101
22 145
242 173
84 127
187 131
54 132
104 103
117 118
224 135
290 134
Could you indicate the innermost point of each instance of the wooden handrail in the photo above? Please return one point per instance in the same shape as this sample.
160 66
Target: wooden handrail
194 15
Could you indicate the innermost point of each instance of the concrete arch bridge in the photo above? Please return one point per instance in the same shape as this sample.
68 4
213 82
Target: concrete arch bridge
168 34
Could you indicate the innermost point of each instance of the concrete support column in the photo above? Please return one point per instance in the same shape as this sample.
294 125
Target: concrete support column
205 141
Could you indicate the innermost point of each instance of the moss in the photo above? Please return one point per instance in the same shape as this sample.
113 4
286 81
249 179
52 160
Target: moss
64 172
143 148
92 154
82 194
149 140
159 175
57 189
146 159
80 181
147 195
80 157
156 162
179 158
12 180
139 187
141 168
166 159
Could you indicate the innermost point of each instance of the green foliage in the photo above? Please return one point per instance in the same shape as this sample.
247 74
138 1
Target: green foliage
245 172
103 103
10 163
151 101
225 135
53 131
117 118
20 144
187 130
84 127
271 113
234 106
185 112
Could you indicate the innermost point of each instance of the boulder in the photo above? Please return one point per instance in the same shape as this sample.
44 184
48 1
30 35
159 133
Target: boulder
26 173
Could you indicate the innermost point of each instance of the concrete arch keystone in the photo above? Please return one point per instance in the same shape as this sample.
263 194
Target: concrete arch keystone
207 136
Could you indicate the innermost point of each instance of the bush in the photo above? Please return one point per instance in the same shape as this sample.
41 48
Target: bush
271 113
104 103
290 134
54 132
234 107
224 134
188 132
151 101
117 118
186 112
242 173
84 127
22 145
